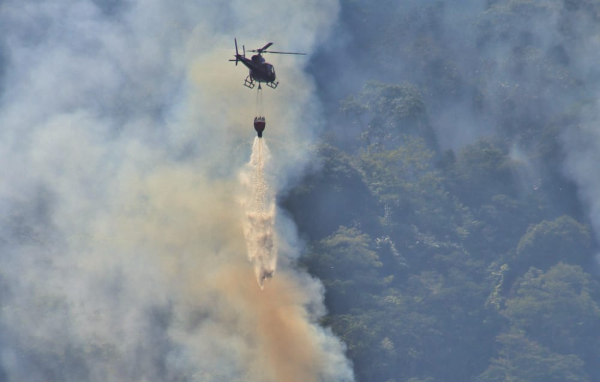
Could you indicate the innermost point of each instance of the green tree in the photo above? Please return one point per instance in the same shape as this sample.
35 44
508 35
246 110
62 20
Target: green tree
337 186
387 112
547 243
348 266
502 222
411 190
523 360
558 309
481 171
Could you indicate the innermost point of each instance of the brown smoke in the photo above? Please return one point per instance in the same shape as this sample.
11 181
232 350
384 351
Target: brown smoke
130 174
283 340
195 230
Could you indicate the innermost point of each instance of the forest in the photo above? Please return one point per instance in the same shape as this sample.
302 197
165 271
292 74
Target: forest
451 219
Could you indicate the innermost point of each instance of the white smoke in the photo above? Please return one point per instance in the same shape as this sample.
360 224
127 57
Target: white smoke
122 249
580 141
581 145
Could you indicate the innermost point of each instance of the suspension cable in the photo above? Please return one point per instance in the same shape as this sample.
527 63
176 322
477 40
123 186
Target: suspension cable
259 102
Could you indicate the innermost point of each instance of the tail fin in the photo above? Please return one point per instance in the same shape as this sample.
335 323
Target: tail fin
237 55
236 49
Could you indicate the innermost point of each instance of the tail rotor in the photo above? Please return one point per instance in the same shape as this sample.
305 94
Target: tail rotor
237 54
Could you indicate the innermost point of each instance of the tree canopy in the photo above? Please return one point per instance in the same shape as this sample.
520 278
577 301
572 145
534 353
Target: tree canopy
452 245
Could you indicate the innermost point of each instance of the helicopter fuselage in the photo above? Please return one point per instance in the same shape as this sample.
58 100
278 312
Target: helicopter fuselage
260 70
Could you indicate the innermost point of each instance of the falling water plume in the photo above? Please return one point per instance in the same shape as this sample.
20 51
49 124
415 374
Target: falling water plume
259 208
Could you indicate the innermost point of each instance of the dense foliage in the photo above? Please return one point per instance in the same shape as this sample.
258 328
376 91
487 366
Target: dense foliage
468 260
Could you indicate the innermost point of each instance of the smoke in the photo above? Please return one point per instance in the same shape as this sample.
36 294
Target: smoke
581 145
122 241
515 70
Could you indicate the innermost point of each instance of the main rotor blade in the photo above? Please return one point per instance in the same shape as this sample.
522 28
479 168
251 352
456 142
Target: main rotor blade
272 51
266 46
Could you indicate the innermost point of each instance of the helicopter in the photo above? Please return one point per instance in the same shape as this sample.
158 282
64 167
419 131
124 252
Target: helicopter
260 70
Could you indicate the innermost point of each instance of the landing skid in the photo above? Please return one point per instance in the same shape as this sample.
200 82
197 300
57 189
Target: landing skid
249 83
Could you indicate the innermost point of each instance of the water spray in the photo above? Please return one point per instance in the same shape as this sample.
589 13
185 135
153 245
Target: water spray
259 218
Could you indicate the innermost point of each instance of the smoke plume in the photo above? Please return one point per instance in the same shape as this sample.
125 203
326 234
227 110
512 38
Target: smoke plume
123 244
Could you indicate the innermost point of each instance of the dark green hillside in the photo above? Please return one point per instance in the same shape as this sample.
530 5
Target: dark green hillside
444 224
